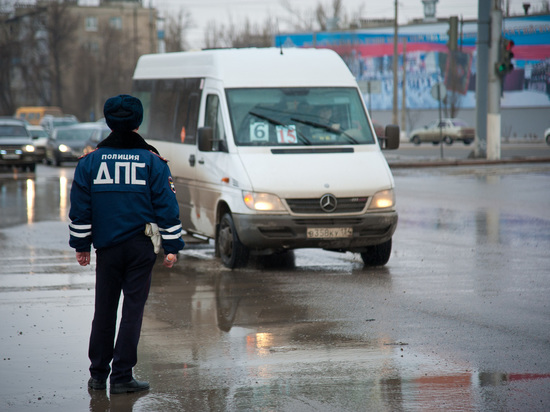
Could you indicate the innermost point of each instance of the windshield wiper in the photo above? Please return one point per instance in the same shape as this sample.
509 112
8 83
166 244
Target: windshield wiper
326 127
304 139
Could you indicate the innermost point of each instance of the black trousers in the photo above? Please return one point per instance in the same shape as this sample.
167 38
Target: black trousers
125 268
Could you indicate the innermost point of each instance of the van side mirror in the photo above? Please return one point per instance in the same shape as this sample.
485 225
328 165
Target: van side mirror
206 139
390 140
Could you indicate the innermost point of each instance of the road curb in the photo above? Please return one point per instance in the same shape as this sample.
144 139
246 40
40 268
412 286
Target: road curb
403 164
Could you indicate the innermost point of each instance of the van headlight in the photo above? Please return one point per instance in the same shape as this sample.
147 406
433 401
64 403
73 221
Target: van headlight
263 202
383 200
29 148
63 148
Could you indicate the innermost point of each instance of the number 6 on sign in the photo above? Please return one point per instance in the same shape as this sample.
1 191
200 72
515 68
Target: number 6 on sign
286 134
259 132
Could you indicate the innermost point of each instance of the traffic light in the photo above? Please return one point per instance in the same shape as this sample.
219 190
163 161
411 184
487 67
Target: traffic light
504 64
452 43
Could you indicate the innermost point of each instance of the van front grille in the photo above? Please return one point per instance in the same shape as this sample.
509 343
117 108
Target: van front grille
313 206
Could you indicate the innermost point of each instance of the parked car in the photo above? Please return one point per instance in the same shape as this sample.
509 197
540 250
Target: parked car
39 139
50 122
447 130
16 145
547 136
68 143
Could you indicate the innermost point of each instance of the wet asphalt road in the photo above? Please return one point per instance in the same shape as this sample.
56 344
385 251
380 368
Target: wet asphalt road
459 319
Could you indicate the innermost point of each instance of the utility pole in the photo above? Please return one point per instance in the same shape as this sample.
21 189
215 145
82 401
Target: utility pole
404 89
494 85
395 76
482 77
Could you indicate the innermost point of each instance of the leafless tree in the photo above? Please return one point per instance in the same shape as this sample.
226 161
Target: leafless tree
8 49
245 35
100 73
175 31
60 27
323 17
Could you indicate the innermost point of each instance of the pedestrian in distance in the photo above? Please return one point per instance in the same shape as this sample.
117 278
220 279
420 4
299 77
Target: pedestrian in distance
123 202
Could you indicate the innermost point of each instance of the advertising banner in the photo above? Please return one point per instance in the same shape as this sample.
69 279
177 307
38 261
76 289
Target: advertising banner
428 61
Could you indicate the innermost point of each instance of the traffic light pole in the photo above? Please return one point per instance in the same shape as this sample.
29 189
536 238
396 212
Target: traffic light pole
482 77
494 86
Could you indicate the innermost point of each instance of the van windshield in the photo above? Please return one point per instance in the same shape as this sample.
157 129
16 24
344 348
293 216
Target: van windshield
298 116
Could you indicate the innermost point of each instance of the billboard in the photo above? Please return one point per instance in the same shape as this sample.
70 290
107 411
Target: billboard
369 55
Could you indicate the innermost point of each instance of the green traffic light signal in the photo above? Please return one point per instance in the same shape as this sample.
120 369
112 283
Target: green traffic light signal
505 65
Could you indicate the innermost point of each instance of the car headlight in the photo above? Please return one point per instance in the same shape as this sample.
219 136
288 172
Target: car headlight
263 201
63 148
29 148
383 200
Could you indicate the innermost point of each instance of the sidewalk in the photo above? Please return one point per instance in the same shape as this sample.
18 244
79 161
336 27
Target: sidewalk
402 162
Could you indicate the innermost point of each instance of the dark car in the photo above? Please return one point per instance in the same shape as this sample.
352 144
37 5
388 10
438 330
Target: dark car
446 130
68 143
16 145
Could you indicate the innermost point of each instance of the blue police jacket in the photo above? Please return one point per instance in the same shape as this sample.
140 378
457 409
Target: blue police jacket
116 192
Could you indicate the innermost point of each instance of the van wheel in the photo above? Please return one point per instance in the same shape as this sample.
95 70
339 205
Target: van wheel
377 255
232 252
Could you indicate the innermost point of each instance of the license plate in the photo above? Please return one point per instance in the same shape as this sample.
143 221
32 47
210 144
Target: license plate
329 232
11 156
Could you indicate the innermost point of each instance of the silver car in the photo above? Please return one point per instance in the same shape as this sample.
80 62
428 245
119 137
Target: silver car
16 145
446 130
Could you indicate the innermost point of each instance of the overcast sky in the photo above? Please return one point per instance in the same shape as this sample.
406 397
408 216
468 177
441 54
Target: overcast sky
223 11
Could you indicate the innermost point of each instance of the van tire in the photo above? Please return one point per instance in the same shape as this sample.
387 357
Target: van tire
377 255
230 249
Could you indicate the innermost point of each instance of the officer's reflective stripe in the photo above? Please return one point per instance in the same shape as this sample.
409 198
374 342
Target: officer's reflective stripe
171 229
80 227
171 233
80 235
171 237
127 169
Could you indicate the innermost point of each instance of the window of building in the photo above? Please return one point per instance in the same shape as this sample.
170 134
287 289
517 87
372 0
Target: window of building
115 23
91 23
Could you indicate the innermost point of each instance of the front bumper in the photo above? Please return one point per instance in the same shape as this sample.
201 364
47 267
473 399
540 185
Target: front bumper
284 232
18 159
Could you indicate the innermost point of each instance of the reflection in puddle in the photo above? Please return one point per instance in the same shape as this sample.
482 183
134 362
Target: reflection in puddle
27 200
63 197
30 201
261 346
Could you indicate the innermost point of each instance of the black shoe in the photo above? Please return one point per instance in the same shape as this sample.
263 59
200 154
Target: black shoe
132 386
96 384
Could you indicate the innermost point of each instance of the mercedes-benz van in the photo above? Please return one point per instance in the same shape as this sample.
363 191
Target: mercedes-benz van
270 150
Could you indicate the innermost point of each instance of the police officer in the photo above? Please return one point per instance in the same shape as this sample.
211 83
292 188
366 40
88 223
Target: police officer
119 190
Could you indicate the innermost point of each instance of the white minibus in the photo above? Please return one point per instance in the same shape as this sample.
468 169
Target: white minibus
270 150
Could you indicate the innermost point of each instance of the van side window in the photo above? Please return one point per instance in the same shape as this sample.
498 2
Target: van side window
189 115
163 103
170 108
214 120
